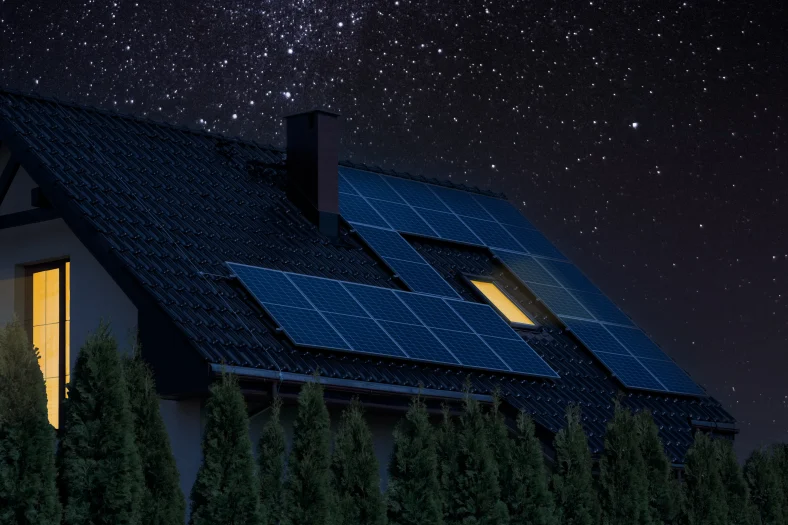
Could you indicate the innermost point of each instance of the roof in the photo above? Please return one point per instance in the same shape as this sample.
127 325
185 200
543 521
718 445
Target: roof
164 207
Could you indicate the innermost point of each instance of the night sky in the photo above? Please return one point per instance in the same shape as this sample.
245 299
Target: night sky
647 139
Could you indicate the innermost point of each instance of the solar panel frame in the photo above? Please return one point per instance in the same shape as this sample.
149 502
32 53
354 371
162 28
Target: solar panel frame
370 185
534 243
327 295
403 218
433 312
273 281
461 203
630 371
491 234
357 210
559 301
422 278
526 268
673 377
471 349
420 343
365 335
386 304
637 342
450 227
520 356
306 327
568 275
503 211
602 308
483 320
417 194
389 244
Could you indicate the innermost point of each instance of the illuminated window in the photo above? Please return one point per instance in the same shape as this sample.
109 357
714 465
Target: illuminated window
49 321
501 302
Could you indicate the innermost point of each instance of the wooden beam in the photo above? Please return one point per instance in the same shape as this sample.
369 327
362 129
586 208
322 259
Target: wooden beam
23 218
7 177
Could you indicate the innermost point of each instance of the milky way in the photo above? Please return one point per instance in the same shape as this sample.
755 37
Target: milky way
646 138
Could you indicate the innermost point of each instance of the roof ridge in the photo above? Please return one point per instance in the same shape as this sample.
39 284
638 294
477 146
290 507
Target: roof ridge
136 118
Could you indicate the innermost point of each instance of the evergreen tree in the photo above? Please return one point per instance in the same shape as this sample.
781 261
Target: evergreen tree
446 449
780 452
529 500
737 494
101 479
162 500
28 493
271 466
664 492
225 491
307 489
501 449
622 473
765 490
573 484
414 493
476 496
705 494
355 474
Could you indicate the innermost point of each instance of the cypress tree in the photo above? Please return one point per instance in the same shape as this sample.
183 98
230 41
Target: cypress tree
765 489
476 498
225 491
446 449
101 476
664 492
705 494
780 452
28 492
530 501
414 494
355 474
622 473
501 448
307 493
162 500
737 494
271 466
572 481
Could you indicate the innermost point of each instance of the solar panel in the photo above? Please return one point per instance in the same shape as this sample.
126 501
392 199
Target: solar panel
345 186
461 203
629 371
637 343
596 337
449 226
534 242
526 268
357 210
559 301
417 194
422 278
403 218
492 234
503 211
568 275
387 243
673 377
337 315
602 308
370 185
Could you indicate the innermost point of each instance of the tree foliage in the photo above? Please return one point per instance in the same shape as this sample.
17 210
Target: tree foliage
737 494
446 449
162 500
572 481
355 474
705 494
271 466
101 479
28 492
765 488
623 481
226 491
307 489
414 492
664 492
528 497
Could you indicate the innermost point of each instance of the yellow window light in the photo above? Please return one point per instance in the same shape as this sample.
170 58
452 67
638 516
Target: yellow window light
502 303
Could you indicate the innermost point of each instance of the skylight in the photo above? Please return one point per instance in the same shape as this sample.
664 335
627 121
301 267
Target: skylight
501 302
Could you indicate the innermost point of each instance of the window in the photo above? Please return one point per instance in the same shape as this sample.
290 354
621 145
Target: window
48 319
501 302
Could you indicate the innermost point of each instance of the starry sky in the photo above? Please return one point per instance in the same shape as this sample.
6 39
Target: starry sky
646 138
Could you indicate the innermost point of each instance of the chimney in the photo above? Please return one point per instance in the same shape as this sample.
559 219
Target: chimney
312 167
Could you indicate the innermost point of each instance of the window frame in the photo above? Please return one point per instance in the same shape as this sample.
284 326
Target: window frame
468 278
30 269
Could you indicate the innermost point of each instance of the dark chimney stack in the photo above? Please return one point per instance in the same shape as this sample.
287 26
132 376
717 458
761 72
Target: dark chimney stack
313 167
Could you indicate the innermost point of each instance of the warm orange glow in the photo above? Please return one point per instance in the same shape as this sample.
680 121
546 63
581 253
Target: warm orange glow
46 333
502 303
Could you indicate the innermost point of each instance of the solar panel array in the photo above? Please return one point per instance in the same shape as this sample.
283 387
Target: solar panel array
371 201
329 314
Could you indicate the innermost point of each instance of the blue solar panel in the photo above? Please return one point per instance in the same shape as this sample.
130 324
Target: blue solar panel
419 343
559 301
569 276
389 243
492 234
345 186
417 194
383 302
269 286
629 371
520 356
370 185
483 319
526 268
503 211
306 327
595 337
355 209
637 343
449 227
461 203
534 242
327 295
602 308
364 335
470 349
422 278
403 218
433 312
673 377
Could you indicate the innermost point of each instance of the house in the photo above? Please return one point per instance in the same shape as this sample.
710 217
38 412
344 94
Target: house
207 248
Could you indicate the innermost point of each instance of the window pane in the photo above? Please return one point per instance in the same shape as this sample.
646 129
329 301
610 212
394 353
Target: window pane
52 308
502 303
39 297
52 369
68 294
53 401
46 334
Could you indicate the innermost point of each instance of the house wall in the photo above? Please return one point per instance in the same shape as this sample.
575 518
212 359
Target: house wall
18 197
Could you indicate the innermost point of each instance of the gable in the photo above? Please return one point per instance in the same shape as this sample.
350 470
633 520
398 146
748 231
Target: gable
18 197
